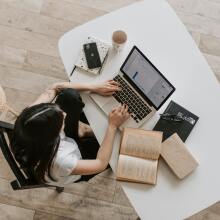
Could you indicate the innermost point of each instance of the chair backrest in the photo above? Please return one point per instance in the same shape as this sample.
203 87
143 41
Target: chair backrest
23 179
6 130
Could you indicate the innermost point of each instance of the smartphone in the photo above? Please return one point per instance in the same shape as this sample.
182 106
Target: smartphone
92 55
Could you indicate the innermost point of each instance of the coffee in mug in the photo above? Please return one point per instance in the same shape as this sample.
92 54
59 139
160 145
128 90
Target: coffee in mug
119 39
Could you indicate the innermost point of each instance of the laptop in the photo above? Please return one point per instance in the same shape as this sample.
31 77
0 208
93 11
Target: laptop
144 89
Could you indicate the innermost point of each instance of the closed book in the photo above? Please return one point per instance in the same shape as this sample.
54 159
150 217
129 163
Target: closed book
178 157
182 128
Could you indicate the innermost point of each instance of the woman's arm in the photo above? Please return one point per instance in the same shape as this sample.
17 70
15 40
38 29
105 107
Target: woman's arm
103 88
86 167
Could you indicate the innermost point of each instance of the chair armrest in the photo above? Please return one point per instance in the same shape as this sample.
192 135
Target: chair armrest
6 125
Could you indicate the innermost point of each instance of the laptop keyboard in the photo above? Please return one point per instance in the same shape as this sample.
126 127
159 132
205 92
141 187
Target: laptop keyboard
136 107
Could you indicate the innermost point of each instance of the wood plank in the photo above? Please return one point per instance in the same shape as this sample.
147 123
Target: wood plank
42 215
93 191
104 5
33 22
45 65
108 183
209 9
101 188
5 171
200 24
196 37
24 80
69 11
210 213
98 187
205 8
210 44
9 212
32 61
11 56
28 41
186 6
79 189
27 5
120 197
205 215
63 204
214 62
215 208
108 173
23 98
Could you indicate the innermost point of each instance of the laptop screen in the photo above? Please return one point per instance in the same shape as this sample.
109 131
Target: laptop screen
147 78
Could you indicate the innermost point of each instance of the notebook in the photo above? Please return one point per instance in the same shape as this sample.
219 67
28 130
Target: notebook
103 49
183 129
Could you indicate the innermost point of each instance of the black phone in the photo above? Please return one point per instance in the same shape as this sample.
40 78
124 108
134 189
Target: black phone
92 55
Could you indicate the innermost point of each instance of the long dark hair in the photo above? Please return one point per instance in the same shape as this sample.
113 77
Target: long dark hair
35 138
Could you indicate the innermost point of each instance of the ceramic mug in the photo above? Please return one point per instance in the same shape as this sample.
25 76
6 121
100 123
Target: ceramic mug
119 39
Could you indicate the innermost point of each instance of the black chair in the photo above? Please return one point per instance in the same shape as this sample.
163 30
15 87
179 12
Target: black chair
24 180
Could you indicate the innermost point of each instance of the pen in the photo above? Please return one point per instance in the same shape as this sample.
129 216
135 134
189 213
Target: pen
72 70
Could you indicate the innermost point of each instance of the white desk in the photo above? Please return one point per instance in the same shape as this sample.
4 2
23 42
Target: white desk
154 27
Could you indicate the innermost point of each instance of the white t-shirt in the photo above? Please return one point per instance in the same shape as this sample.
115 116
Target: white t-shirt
64 162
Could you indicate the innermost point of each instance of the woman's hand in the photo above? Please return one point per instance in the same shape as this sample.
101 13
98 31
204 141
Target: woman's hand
58 87
118 115
106 88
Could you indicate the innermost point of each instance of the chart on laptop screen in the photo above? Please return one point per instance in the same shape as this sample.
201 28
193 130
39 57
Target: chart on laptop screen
147 78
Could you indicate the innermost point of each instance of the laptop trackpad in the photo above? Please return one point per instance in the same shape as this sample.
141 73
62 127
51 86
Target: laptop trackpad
99 99
112 103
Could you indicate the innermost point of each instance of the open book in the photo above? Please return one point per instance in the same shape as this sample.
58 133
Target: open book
139 154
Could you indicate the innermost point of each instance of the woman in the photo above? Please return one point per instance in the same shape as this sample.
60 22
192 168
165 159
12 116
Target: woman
46 138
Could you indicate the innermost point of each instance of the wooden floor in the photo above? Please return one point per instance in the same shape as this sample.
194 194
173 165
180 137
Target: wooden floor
29 62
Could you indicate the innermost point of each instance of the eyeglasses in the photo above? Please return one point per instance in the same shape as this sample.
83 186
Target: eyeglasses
171 117
177 117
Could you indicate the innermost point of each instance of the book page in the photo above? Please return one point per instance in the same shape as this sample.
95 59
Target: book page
141 143
137 169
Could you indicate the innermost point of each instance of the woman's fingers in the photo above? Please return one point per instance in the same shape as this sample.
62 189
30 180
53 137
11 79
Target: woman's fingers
112 88
124 109
116 110
119 114
117 88
121 108
110 91
108 88
112 82
113 110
